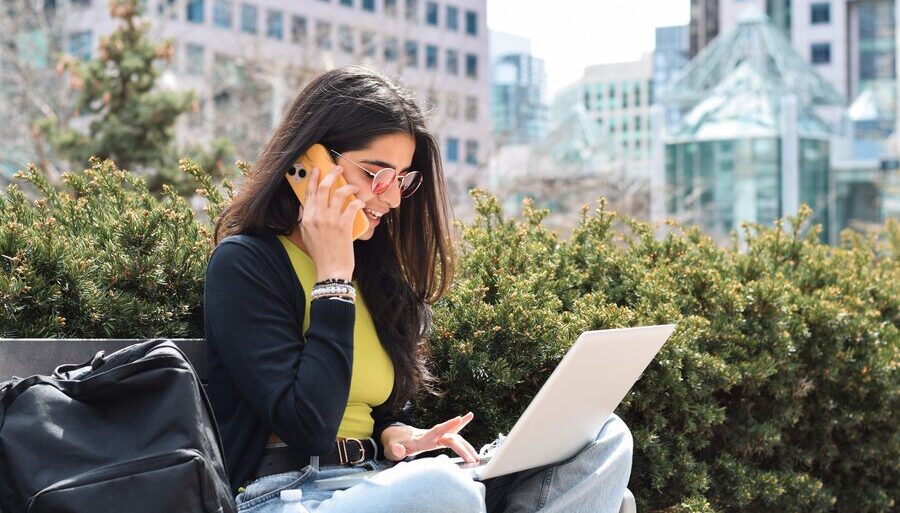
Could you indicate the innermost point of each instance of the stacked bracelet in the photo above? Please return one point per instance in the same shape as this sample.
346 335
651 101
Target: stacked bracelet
333 281
344 291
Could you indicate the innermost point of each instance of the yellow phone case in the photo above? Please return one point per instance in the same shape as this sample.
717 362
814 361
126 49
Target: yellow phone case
298 177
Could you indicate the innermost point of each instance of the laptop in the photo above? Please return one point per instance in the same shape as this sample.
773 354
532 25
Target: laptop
569 410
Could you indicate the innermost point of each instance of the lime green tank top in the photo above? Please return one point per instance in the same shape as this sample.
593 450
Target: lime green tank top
372 377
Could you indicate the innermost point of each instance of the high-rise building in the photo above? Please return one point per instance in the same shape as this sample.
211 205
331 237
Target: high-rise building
617 98
704 26
247 59
670 55
519 91
872 74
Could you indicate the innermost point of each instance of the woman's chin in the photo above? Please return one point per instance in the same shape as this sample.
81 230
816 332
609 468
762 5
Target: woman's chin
367 234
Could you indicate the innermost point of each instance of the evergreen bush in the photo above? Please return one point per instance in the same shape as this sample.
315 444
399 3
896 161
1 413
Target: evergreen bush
105 259
778 390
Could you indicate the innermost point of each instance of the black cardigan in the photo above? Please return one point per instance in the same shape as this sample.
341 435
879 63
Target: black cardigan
263 375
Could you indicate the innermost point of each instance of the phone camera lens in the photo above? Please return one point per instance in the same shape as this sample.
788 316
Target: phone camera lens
301 172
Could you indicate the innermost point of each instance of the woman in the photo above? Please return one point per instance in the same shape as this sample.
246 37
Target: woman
316 342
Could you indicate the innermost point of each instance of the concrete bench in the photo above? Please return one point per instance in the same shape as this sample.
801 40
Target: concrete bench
28 356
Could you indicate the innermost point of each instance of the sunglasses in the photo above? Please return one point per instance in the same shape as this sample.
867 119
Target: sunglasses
384 179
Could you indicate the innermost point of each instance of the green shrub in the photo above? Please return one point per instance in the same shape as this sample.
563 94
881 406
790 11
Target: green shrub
778 391
106 259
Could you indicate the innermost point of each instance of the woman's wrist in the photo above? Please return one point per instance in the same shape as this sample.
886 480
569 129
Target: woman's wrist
327 274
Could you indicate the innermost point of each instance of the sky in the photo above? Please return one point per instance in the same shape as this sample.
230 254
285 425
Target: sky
572 34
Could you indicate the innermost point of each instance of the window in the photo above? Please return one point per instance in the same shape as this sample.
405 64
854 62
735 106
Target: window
347 3
472 23
820 13
452 18
80 44
222 10
368 5
167 7
345 39
298 29
193 59
248 18
821 53
431 99
275 24
390 49
452 149
431 57
452 105
471 65
637 123
390 7
323 35
195 11
452 62
412 10
369 44
472 152
624 98
471 112
412 54
431 13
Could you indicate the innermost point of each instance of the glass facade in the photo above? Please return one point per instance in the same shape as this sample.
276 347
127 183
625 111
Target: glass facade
518 105
724 158
720 184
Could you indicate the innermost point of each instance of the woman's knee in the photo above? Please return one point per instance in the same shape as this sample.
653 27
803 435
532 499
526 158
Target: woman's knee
616 433
441 486
612 447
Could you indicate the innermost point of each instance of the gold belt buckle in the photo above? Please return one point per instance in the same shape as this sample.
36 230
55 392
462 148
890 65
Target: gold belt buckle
344 457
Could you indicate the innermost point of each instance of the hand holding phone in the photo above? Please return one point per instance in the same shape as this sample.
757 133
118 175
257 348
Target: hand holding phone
298 176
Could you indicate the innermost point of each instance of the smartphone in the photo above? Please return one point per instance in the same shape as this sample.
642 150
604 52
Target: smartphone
298 177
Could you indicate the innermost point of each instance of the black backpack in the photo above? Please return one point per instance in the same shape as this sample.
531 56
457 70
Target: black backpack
127 432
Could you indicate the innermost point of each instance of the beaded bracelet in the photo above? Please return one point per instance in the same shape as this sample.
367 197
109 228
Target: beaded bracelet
332 281
336 290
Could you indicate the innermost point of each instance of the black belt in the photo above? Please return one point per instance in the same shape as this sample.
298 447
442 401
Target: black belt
280 458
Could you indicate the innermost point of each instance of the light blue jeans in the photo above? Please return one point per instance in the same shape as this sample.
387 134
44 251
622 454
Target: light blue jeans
594 480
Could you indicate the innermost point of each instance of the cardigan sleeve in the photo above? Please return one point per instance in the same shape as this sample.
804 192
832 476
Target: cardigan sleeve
298 387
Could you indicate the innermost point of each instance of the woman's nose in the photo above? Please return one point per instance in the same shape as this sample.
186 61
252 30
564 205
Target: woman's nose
392 195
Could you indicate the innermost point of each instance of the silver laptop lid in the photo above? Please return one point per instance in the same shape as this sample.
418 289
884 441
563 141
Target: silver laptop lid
578 397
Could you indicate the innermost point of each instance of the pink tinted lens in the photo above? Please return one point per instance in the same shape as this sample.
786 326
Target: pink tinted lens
383 180
409 183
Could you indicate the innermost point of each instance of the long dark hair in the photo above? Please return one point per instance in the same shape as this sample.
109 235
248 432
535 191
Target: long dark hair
408 263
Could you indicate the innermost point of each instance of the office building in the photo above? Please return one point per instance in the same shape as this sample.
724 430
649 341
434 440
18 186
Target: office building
670 55
704 26
247 59
617 99
519 91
